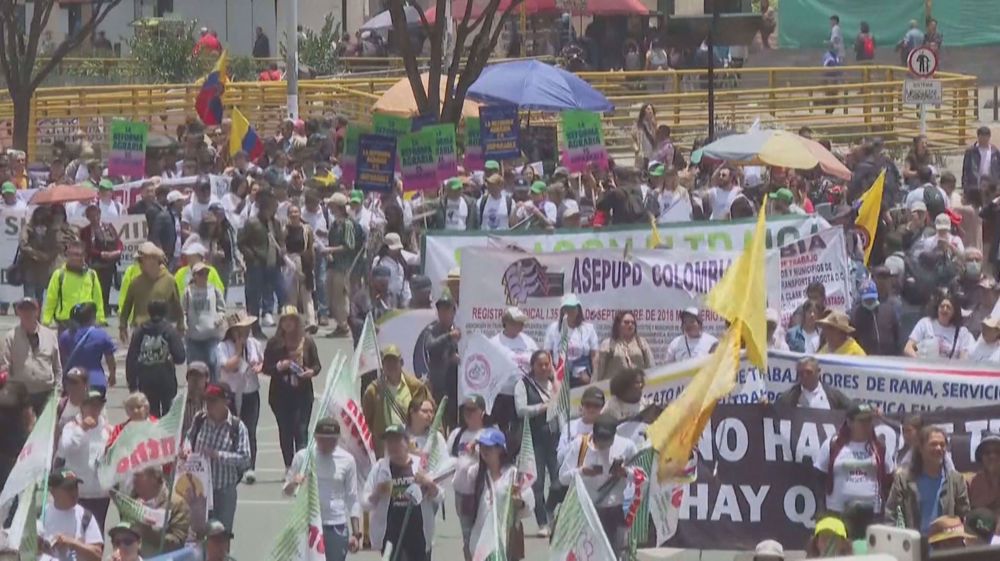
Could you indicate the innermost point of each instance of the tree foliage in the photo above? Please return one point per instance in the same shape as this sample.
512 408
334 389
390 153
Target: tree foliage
318 50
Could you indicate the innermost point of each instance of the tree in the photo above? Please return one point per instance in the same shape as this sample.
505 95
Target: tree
19 48
464 67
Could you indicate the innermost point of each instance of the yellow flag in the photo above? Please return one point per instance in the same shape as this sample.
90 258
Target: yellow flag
741 295
677 430
871 208
654 236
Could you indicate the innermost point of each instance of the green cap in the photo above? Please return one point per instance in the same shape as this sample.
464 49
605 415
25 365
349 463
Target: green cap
784 194
357 196
492 165
8 187
124 528
538 188
105 184
394 430
454 184
657 171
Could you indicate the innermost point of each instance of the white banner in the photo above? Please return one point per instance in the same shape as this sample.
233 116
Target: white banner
441 250
892 383
486 370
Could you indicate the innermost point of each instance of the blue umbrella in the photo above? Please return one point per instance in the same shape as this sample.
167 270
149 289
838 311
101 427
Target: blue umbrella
534 85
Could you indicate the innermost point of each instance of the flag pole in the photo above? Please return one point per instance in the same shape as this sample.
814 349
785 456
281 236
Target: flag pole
173 474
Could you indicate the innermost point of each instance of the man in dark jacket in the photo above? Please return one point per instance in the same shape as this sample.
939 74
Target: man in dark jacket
163 224
810 392
261 45
867 171
982 159
262 241
155 349
440 340
876 323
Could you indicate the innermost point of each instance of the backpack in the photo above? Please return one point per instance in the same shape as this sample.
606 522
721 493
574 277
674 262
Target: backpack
934 201
868 46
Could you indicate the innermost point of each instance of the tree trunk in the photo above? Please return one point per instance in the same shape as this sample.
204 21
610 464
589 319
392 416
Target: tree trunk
22 116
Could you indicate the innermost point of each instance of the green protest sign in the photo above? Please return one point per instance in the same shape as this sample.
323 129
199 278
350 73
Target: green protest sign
419 160
390 125
583 141
128 148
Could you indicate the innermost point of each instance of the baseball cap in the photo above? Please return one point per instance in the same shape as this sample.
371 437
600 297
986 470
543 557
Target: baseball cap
657 171
63 478
605 427
420 282
391 351
124 528
569 301
106 185
860 409
394 430
475 400
445 300
784 194
538 188
831 524
492 165
8 187
942 222
216 206
197 368
769 549
918 205
869 291
216 391
215 529
593 395
357 196
561 171
692 311
175 196
514 314
454 184
492 437
94 395
195 248
327 426
773 316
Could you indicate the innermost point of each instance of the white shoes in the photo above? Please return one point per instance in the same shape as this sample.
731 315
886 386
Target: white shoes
250 477
543 532
267 320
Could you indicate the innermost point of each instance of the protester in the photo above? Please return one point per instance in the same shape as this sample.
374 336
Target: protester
829 539
940 334
624 349
397 486
103 248
982 159
419 417
76 387
291 360
126 542
71 284
198 378
68 530
29 354
929 488
491 482
512 337
343 248
205 316
601 460
987 347
581 343
194 253
805 337
337 484
810 391
84 345
153 352
692 342
221 437
591 405
80 447
38 250
262 243
984 488
240 360
386 401
463 448
136 407
153 283
948 532
532 394
876 323
299 266
856 464
150 488
836 331
218 540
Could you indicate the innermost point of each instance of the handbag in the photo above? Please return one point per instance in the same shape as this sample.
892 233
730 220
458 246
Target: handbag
14 275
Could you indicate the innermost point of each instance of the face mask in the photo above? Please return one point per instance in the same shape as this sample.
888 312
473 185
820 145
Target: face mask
973 268
870 304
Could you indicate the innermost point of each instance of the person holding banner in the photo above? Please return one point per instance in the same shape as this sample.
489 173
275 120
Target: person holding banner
810 391
81 446
532 394
581 341
149 488
401 500
68 531
856 465
337 482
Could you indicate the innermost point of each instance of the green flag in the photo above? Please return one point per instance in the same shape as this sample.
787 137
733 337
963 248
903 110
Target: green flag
35 458
578 530
144 444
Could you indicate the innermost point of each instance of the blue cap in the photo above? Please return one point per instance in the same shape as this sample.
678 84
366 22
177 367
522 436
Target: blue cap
869 291
492 437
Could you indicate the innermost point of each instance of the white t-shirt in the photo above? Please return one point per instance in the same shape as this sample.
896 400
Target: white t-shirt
721 200
985 352
855 475
917 194
675 206
320 226
495 213
455 213
580 342
241 380
193 212
984 161
813 342
929 243
684 347
934 340
465 441
520 348
814 399
67 523
337 483
548 208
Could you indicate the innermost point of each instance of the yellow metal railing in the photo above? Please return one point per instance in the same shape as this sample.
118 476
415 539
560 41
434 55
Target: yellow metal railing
851 104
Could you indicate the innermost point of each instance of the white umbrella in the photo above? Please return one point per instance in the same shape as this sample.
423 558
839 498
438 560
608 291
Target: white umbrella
384 19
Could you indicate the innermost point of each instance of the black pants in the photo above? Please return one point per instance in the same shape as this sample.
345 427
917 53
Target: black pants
613 522
99 508
106 276
160 390
413 549
292 412
249 412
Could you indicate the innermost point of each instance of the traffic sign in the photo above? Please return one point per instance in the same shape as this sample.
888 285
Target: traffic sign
923 62
922 92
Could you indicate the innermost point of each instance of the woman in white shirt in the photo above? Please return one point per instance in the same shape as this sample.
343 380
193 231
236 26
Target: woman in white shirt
692 342
419 417
942 336
391 257
856 463
240 359
512 337
532 395
493 479
581 341
462 446
81 446
987 348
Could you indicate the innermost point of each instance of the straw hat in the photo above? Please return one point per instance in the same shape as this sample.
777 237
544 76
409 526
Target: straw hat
239 318
150 249
837 320
947 528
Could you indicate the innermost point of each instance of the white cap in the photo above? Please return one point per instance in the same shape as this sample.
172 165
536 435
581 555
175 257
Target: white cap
769 549
515 314
896 265
942 222
175 196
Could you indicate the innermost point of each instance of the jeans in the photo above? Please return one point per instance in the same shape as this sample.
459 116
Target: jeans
263 284
337 297
335 540
224 506
36 291
203 351
319 289
292 411
545 460
246 406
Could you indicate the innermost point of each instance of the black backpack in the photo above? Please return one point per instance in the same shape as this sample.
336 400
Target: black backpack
635 207
934 201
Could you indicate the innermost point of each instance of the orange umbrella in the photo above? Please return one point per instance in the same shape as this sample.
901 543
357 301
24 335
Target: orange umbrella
398 100
59 194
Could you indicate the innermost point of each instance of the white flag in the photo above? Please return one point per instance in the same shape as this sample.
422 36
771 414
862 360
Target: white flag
33 462
302 537
366 357
578 533
485 370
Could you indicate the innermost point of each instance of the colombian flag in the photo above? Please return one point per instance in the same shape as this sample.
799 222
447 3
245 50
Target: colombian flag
243 137
209 101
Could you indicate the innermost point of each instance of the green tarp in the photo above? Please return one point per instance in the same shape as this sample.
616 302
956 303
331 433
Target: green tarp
966 23
806 23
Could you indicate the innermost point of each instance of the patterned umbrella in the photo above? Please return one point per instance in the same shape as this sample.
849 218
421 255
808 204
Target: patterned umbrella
776 148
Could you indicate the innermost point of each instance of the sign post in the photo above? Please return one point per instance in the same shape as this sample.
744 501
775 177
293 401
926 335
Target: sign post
923 63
